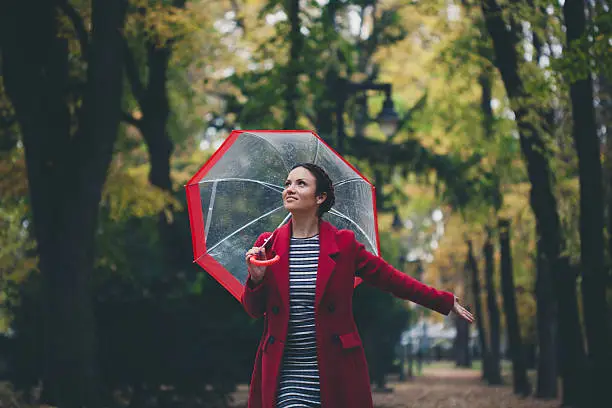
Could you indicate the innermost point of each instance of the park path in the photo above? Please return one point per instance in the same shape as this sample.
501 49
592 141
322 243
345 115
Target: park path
442 387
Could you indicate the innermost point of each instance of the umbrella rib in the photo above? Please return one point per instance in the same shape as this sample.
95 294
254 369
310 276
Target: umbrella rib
279 225
338 213
210 209
316 156
263 183
243 227
349 181
274 147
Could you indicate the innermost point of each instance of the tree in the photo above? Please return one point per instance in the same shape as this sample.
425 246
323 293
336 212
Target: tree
475 280
68 136
520 381
461 344
594 279
493 313
292 95
154 110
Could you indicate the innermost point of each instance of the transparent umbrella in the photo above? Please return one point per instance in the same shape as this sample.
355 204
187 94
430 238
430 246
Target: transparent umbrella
236 196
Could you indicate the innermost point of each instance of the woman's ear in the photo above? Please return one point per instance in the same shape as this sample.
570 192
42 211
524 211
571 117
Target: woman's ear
321 198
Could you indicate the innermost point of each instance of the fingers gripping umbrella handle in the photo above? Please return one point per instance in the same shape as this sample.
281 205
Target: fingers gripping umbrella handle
265 262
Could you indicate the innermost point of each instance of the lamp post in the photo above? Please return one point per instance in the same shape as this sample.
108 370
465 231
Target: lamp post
397 225
387 118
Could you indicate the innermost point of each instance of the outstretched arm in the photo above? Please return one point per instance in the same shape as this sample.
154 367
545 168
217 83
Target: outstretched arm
376 272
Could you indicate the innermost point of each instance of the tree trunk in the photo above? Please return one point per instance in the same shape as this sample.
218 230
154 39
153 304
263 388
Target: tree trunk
293 68
340 99
493 370
327 107
572 363
484 349
155 106
493 312
8 137
325 110
462 344
379 183
594 279
486 87
66 173
605 95
605 121
521 384
531 351
156 110
361 118
547 329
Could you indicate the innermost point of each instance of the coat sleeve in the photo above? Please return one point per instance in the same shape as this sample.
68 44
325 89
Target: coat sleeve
254 295
378 273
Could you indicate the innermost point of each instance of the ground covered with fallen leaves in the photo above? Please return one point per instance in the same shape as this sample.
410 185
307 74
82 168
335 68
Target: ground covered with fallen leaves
442 386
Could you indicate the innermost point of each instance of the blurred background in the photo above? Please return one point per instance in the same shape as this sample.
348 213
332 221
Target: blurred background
484 125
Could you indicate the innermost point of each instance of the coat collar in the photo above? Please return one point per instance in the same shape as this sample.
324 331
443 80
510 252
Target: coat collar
327 249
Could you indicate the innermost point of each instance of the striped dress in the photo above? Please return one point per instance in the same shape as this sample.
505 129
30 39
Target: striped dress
299 376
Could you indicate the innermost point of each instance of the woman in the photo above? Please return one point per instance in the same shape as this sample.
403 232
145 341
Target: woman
311 354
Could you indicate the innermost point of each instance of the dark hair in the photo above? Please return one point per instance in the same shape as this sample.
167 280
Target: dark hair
324 185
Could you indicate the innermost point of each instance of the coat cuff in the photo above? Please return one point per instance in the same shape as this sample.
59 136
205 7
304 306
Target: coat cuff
446 303
254 287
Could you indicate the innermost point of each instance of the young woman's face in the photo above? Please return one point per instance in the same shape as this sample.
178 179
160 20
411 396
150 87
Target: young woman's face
299 193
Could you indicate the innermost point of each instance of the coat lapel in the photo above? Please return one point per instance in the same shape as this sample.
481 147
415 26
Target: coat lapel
328 248
281 268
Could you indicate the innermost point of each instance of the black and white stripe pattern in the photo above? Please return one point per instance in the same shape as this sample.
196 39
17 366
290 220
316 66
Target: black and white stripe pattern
299 376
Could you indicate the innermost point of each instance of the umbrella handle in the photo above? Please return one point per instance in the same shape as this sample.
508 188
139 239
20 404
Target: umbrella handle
265 262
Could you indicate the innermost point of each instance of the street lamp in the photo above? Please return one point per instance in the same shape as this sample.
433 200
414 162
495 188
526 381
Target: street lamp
387 118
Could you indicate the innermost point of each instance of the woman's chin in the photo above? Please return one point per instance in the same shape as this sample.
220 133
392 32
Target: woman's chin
298 210
292 206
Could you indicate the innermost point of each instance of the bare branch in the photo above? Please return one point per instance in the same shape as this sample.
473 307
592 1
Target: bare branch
407 118
311 118
78 23
131 69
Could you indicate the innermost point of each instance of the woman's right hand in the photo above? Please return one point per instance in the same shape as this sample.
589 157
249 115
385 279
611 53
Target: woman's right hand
256 272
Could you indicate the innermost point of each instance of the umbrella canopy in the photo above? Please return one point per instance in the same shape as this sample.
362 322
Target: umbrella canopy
236 196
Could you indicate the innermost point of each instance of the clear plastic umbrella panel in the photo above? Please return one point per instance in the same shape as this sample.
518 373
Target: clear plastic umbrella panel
236 196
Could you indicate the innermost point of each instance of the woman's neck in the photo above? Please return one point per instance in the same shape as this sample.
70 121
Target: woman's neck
304 226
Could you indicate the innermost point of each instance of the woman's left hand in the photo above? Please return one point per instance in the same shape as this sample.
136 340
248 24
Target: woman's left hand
462 312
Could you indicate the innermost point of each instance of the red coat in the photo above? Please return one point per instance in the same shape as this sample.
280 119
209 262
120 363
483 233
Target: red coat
343 371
